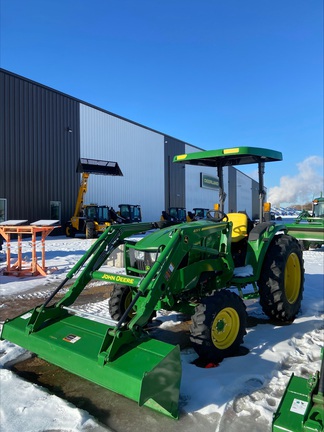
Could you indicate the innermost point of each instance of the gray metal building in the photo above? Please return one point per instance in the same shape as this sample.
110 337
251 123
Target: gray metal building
44 132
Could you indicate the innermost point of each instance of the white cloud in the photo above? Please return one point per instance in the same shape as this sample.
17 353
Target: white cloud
303 187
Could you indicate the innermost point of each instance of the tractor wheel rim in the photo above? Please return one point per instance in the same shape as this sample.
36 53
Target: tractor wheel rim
225 328
292 278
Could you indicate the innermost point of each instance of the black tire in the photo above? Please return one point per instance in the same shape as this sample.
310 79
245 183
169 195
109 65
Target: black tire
218 326
90 231
281 283
119 301
69 230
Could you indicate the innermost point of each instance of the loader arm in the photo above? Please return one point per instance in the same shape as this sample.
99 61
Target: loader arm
97 254
126 361
168 277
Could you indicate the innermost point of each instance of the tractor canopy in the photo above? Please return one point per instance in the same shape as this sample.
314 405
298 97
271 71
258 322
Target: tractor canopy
229 156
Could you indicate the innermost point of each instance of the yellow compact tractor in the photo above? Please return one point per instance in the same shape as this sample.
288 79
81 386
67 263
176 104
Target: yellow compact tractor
91 220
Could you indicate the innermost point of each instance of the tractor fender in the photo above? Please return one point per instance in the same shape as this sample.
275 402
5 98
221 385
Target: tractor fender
259 240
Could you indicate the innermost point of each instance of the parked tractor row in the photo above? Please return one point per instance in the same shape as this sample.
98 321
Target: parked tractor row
92 219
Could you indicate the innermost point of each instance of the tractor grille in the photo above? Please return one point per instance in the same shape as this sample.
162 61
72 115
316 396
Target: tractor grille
145 260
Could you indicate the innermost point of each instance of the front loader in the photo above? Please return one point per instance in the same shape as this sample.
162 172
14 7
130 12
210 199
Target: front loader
92 219
202 268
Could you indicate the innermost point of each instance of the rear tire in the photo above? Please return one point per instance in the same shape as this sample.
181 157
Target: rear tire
281 283
218 326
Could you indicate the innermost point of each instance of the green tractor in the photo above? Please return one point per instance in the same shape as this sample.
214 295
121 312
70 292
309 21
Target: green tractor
204 268
308 228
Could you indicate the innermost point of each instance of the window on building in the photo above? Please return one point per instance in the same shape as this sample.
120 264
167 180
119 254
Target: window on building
55 210
3 209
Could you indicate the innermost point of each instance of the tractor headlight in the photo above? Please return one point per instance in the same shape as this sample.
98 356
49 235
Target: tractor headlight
145 260
139 255
151 257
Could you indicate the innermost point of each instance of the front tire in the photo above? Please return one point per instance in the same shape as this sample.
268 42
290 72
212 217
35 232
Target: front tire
119 301
90 231
281 283
218 326
69 230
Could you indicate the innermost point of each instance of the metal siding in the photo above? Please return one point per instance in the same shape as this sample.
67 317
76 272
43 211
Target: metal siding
174 174
37 152
139 153
38 158
196 196
231 199
255 200
244 193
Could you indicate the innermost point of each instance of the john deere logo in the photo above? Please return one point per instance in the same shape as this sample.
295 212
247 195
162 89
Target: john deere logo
208 182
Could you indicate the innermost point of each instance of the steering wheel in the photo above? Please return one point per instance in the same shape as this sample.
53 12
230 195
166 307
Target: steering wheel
218 216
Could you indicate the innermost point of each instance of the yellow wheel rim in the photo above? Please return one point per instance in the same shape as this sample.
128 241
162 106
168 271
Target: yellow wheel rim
225 328
292 278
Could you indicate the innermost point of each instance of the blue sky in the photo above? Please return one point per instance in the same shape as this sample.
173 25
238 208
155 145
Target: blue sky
213 73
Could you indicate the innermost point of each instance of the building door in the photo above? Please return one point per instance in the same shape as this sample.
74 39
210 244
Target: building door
55 212
3 209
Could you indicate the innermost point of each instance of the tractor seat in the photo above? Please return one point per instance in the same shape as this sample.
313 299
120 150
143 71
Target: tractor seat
240 226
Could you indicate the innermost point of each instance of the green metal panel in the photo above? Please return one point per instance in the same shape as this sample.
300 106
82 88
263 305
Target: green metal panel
291 411
311 229
301 408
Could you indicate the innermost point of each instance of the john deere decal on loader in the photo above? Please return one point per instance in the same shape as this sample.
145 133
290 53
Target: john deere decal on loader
183 267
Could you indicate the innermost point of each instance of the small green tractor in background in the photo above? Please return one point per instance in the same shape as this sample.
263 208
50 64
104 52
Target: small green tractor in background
204 268
308 228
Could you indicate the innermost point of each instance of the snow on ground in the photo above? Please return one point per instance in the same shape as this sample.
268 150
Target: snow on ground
242 392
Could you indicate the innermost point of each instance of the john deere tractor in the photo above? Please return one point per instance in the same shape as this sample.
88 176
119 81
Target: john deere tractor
205 268
308 228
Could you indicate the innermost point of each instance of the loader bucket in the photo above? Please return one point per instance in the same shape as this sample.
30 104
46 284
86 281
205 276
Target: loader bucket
143 369
94 166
